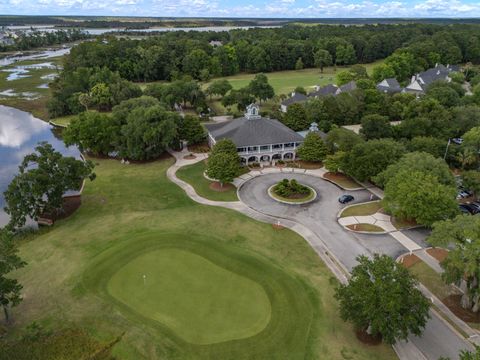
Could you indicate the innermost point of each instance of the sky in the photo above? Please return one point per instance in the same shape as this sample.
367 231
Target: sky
247 8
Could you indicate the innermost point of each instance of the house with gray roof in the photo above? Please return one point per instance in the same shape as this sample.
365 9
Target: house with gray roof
420 82
295 98
348 87
389 86
258 139
330 89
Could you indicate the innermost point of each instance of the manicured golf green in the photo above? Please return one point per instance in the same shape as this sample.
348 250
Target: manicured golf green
201 302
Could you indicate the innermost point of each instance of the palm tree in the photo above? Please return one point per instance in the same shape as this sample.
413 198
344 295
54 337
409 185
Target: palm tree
467 157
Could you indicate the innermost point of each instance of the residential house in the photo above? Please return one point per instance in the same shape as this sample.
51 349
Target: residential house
420 82
389 86
295 98
348 87
330 89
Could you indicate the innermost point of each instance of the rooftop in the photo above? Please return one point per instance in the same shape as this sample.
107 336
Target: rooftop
253 130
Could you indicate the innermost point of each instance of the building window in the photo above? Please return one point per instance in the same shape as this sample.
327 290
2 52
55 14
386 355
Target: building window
241 150
289 145
253 148
265 148
277 146
298 144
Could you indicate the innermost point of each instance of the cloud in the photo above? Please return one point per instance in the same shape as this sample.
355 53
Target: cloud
247 8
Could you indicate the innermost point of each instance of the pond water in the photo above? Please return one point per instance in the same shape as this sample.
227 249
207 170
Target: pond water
20 132
22 71
100 31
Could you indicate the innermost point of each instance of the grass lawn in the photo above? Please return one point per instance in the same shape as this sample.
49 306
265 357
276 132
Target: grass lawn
193 174
64 120
284 82
365 227
342 180
432 280
88 271
368 208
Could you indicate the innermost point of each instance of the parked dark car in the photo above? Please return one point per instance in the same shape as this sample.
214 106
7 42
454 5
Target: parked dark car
345 199
476 205
468 209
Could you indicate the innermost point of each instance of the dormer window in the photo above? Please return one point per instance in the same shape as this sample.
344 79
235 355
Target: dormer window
252 112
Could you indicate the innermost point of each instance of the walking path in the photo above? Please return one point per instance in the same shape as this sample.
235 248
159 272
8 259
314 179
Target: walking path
378 219
438 335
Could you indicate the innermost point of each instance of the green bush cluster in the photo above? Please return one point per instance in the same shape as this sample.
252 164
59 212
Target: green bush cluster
287 188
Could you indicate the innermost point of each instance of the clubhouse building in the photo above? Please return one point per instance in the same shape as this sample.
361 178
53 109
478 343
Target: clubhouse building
258 139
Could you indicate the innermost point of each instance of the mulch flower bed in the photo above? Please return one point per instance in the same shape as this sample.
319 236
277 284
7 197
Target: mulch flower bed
366 338
216 186
438 253
410 260
453 303
300 164
199 148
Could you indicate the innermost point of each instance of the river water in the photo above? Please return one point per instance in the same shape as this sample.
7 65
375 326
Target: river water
20 132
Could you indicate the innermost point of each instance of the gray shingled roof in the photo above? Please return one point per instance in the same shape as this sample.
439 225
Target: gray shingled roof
251 132
393 86
326 90
352 85
296 98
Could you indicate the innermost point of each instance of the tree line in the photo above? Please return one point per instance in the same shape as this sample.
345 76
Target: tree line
170 55
36 39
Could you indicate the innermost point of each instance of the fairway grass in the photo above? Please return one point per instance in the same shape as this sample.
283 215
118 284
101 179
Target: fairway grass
200 301
284 82
131 211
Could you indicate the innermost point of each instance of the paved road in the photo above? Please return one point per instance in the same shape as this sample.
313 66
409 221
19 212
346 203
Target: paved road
320 216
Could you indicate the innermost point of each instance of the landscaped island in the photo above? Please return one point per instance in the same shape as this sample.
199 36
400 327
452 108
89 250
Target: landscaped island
291 191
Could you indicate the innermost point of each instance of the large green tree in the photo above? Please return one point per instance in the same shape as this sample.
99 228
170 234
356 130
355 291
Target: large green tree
43 178
313 148
296 117
382 299
260 88
376 127
471 181
341 139
418 161
93 132
10 289
147 132
219 87
420 196
191 130
223 166
368 159
462 265
224 146
322 58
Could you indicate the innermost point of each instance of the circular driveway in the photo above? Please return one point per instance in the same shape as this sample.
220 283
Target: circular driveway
320 215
